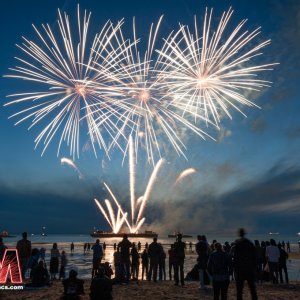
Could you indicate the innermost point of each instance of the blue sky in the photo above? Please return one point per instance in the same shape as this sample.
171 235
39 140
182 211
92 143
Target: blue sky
249 175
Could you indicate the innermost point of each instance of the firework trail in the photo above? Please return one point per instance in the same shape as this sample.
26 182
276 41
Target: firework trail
185 173
69 162
62 65
209 74
143 109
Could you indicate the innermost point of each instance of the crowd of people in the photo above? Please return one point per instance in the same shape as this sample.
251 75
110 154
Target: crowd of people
216 264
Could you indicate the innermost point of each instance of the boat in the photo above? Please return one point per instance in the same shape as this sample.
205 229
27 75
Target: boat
183 235
274 233
104 234
5 234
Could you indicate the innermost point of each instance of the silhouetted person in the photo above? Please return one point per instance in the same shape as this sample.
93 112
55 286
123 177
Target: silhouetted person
139 246
282 264
244 259
125 246
104 246
179 255
146 246
63 264
24 251
72 247
171 261
115 246
101 286
54 261
154 253
162 265
97 256
73 287
2 248
288 247
135 262
118 266
259 253
145 264
191 247
40 276
88 247
202 251
218 267
273 255
84 248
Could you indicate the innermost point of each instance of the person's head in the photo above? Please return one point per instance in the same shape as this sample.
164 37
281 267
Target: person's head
100 272
263 244
41 264
199 238
155 239
24 235
256 243
125 236
54 246
179 236
63 252
272 242
172 246
97 241
279 246
133 245
218 247
72 274
241 232
204 238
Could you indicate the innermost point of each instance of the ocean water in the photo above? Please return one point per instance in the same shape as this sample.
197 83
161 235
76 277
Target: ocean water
82 262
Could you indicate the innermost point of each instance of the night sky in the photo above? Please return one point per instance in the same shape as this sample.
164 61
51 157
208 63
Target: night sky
249 176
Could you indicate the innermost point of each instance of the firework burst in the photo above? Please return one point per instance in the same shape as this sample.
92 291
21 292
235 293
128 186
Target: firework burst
208 74
63 66
143 110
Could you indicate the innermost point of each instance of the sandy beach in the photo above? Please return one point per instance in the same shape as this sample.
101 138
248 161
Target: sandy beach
160 291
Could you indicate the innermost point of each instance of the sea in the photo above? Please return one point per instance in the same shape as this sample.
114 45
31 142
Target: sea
82 262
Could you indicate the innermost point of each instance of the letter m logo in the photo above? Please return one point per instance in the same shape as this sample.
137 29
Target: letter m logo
10 265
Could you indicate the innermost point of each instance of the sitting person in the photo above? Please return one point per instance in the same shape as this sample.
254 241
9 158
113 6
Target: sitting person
73 287
40 276
108 270
101 286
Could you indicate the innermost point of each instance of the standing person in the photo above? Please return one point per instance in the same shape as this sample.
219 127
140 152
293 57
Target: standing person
282 264
115 246
218 268
288 247
139 246
191 247
117 264
171 261
154 254
244 259
259 253
72 247
179 255
24 251
135 262
202 251
97 256
104 247
125 246
273 255
54 261
2 248
88 247
162 265
84 248
145 264
63 264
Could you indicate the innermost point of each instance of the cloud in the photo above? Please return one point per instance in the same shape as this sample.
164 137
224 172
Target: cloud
258 125
222 134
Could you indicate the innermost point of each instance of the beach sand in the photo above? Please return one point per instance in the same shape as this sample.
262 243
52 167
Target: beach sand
160 291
